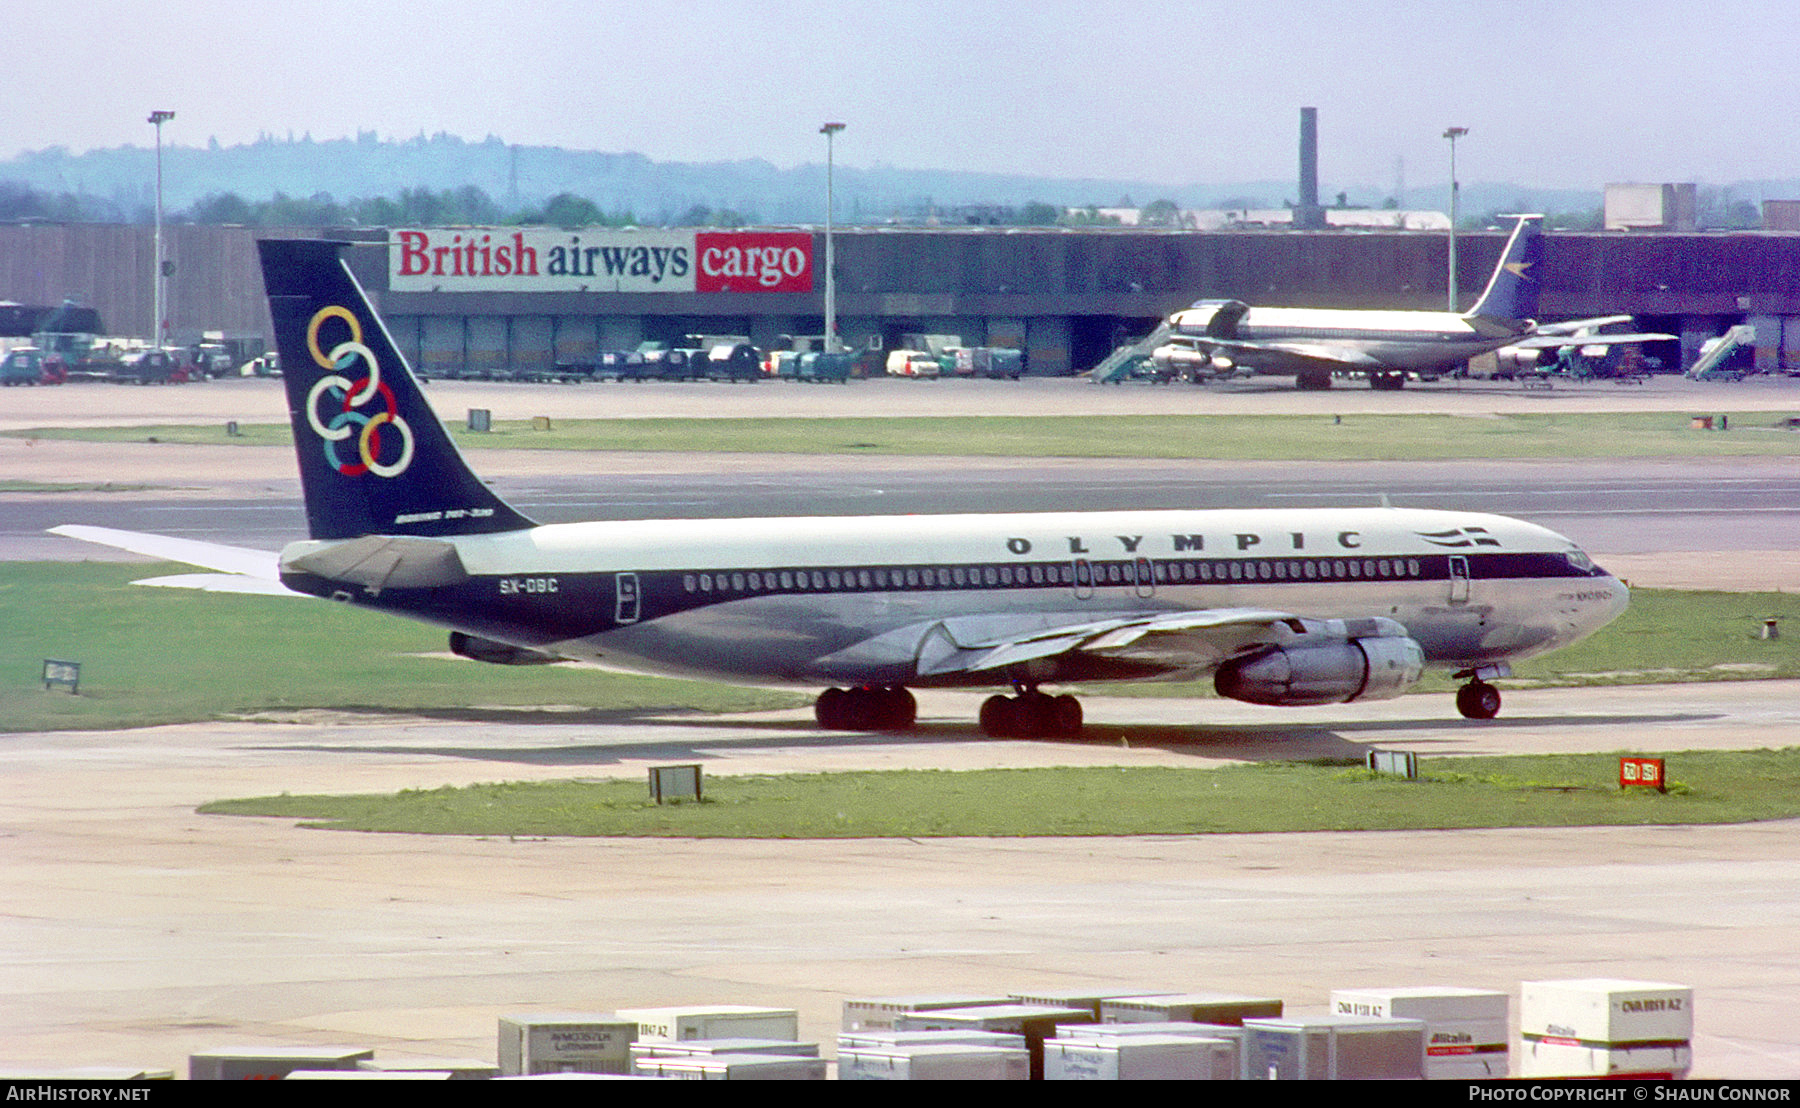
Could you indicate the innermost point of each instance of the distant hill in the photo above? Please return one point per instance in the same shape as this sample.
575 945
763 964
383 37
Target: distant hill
516 176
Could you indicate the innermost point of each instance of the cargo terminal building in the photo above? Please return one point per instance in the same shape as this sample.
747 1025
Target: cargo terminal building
506 300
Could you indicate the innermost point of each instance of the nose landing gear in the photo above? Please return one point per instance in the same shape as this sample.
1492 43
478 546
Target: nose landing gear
1478 700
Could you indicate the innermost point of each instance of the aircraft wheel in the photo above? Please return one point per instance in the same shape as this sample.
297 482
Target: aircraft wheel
829 709
896 708
1478 700
1065 717
998 720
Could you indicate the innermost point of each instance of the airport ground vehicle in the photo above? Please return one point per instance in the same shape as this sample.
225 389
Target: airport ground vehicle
30 366
913 363
732 361
155 367
989 361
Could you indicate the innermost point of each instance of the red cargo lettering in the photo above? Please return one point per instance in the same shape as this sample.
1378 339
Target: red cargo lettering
754 261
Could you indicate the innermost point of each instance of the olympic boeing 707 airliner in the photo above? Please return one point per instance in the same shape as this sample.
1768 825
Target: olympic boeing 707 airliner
1276 607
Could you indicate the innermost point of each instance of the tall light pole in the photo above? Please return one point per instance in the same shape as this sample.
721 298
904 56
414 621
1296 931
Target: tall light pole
157 328
1453 134
830 131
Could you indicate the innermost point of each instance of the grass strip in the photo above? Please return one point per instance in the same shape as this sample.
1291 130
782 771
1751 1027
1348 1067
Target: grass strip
1452 793
1423 436
154 656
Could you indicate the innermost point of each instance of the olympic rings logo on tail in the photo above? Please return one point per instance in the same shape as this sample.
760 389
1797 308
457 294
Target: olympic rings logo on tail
344 395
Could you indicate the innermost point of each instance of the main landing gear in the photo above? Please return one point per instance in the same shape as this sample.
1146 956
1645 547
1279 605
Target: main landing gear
1031 715
1478 700
866 709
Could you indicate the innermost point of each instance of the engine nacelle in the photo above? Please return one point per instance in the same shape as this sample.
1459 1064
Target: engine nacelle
1188 360
497 653
1375 668
1514 360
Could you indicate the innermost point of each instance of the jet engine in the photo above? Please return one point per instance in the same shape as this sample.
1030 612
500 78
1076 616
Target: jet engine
1183 357
1515 360
1375 668
497 653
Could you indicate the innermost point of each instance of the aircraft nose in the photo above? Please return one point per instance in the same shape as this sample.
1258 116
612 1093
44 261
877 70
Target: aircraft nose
1618 598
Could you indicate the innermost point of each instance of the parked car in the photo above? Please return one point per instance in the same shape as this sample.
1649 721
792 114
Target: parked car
29 366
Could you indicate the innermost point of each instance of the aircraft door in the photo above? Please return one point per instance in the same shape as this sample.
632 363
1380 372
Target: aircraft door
1144 577
1084 579
1459 579
625 590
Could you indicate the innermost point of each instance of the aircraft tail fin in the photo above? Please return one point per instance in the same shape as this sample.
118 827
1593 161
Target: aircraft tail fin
374 458
1512 292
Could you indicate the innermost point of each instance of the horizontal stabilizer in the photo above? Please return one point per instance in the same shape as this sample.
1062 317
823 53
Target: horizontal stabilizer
222 582
261 564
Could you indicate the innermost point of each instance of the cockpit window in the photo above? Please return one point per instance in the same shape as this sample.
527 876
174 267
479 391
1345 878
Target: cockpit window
1580 561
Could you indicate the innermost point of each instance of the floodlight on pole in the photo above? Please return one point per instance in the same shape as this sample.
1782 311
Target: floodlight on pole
158 326
1453 134
830 131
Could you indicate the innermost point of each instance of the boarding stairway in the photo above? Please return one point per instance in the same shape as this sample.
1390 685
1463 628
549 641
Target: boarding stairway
1713 352
1120 364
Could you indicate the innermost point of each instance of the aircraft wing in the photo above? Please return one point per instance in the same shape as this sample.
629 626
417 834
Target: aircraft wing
1321 353
1571 326
240 569
1190 643
1542 341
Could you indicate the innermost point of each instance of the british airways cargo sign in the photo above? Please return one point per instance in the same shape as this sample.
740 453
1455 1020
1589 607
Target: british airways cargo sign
504 259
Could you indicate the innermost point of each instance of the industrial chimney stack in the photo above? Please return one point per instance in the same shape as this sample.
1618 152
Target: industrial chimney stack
1308 216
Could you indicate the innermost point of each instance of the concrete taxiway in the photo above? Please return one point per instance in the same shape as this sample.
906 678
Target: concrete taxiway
138 932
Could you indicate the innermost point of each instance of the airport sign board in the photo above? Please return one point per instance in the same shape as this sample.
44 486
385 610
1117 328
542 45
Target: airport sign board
598 260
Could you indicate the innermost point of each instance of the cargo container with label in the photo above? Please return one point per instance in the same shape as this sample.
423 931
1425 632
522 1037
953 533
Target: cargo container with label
1466 1031
565 1042
1605 1027
717 1021
1141 1058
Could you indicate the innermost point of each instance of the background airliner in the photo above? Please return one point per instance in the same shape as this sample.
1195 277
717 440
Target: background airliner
1277 607
1222 338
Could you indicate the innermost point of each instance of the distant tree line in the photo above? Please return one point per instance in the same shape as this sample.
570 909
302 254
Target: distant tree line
472 206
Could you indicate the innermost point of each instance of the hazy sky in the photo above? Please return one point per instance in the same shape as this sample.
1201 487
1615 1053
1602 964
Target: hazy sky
1573 93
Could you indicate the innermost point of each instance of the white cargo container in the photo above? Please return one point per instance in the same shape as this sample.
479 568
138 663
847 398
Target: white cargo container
1226 1008
1335 1048
565 1042
1112 1032
1036 1022
880 1040
718 1021
1606 1010
1141 1058
934 1062
1599 1026
1466 1031
694 1048
733 1067
874 1013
